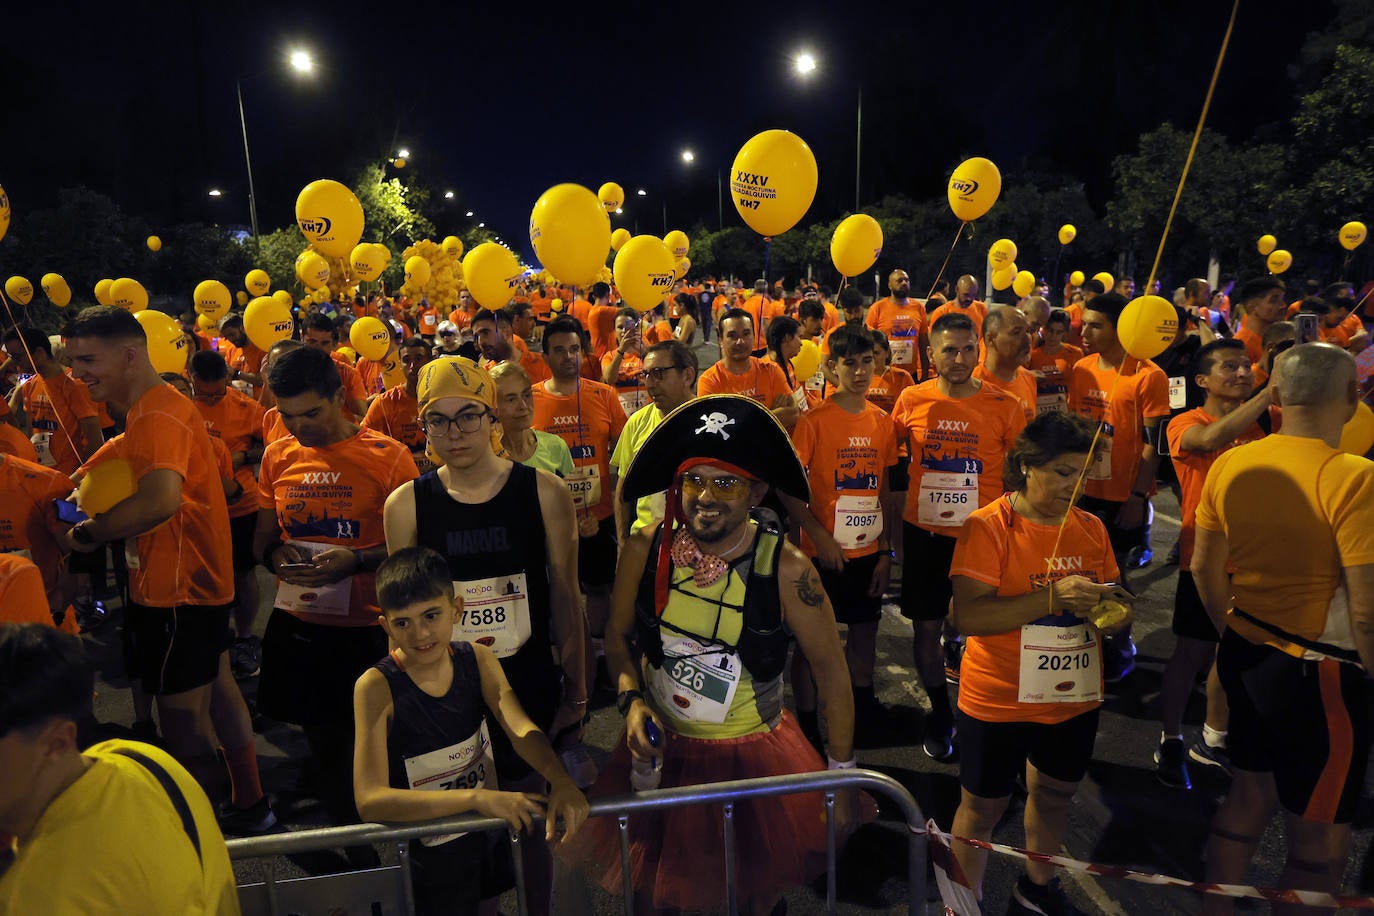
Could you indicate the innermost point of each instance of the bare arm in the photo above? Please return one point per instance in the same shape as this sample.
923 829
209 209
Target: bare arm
569 625
624 512
620 662
155 501
398 518
91 436
1210 550
1359 585
808 613
828 553
1216 435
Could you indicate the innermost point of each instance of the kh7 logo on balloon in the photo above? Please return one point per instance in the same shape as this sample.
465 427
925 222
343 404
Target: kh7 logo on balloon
661 281
964 187
317 226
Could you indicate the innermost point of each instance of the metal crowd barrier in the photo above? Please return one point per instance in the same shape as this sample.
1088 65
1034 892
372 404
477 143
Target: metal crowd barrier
386 890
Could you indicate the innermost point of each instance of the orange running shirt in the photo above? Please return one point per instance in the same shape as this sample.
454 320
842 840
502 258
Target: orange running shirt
957 449
13 442
847 456
1052 382
763 381
756 307
334 495
1191 469
55 408
977 310
353 386
22 598
1253 340
27 520
236 420
273 427
601 326
1001 548
396 413
1141 393
903 324
589 422
1023 388
886 388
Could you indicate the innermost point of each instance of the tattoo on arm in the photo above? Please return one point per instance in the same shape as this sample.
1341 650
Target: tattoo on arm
809 590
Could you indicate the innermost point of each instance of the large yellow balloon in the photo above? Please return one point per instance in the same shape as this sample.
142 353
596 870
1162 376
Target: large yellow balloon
1357 437
1106 279
1352 235
619 237
366 262
1002 277
773 181
206 323
154 243
807 360
284 296
1067 233
102 292
974 188
4 213
418 273
212 299
257 281
314 270
856 244
570 232
677 243
1077 278
1023 283
1002 253
611 195
129 294
491 273
370 338
1266 243
452 246
330 217
1278 261
1148 324
267 321
56 289
166 340
644 271
19 289
106 485
681 269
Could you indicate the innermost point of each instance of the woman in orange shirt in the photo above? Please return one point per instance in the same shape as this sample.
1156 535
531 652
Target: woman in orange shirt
784 342
1028 569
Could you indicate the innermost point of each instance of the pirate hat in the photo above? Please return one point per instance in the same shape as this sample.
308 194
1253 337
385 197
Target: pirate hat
725 429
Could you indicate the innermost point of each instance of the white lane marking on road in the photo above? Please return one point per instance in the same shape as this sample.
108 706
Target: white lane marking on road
1094 891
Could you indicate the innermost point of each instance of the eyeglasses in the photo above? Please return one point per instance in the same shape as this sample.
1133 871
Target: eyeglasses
658 375
436 424
730 487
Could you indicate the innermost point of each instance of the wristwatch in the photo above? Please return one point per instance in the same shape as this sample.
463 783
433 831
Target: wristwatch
626 699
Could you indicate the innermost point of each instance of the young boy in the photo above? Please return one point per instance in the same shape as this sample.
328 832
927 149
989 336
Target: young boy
849 446
421 718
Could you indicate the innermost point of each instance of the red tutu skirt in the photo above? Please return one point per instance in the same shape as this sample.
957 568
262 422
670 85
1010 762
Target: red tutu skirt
677 855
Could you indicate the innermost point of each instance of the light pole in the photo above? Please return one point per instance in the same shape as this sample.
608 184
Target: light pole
302 63
805 64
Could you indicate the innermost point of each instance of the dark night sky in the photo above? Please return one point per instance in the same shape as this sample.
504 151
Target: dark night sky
497 102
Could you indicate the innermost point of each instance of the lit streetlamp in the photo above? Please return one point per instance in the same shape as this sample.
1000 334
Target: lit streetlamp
216 192
805 64
688 156
302 63
448 195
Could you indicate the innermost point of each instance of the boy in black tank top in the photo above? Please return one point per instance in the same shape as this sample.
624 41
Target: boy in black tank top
424 751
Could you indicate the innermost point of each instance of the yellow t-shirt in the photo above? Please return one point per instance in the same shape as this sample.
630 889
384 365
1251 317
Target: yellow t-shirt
1294 512
649 510
112 843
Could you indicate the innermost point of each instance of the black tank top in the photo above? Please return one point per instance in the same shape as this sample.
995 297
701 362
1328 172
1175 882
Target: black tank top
420 723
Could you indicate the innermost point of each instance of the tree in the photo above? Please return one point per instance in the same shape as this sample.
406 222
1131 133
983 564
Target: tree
392 210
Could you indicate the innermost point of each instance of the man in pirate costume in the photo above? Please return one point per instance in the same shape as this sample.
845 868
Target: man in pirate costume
702 612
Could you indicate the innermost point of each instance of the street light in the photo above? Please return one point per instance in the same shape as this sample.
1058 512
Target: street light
805 64
469 213
216 192
448 195
688 156
303 63
403 153
642 193
481 225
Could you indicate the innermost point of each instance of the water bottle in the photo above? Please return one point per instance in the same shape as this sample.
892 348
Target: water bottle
647 773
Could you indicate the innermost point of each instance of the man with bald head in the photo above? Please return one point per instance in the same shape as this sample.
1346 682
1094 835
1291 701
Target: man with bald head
903 320
1197 296
1006 335
965 302
1037 312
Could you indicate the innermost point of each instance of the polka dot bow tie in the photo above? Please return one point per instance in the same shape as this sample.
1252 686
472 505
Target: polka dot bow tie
707 568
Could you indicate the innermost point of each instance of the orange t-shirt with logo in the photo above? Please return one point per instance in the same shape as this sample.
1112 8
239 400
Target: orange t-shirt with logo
1000 548
1023 388
13 442
763 381
601 327
27 519
22 597
55 408
397 414
1141 393
590 421
629 383
248 359
1192 468
273 426
903 324
353 386
976 311
846 455
831 321
236 420
957 449
1052 376
580 309
757 308
428 321
886 388
189 558
334 495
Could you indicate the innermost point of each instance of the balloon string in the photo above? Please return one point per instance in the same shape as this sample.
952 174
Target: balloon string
949 254
758 331
1192 150
42 381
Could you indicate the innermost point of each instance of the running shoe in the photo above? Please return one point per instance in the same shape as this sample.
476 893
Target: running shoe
1047 899
939 743
1209 756
1171 765
256 819
1118 659
245 657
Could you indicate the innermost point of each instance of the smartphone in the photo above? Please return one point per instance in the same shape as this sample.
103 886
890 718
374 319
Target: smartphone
68 512
1307 327
294 567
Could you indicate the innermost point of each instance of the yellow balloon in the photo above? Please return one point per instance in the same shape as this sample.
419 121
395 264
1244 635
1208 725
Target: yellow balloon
1077 278
393 374
102 292
166 340
4 213
556 305
974 188
1023 283
1002 277
1002 253
1352 234
19 289
453 246
241 297
383 252
644 271
1148 324
267 321
314 270
773 181
570 232
57 290
1357 437
154 243
677 243
681 269
856 244
1067 233
1266 243
370 338
611 195
348 353
619 237
418 272
491 273
284 297
399 162
211 298
367 264
807 360
1278 261
258 282
105 486
330 217
206 323
1106 279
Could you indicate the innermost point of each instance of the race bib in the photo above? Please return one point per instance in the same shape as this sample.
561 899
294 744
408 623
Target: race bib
1052 399
1101 468
947 499
585 486
695 683
1178 393
466 765
332 599
817 381
632 400
799 398
495 613
1060 665
131 553
858 521
903 350
42 444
